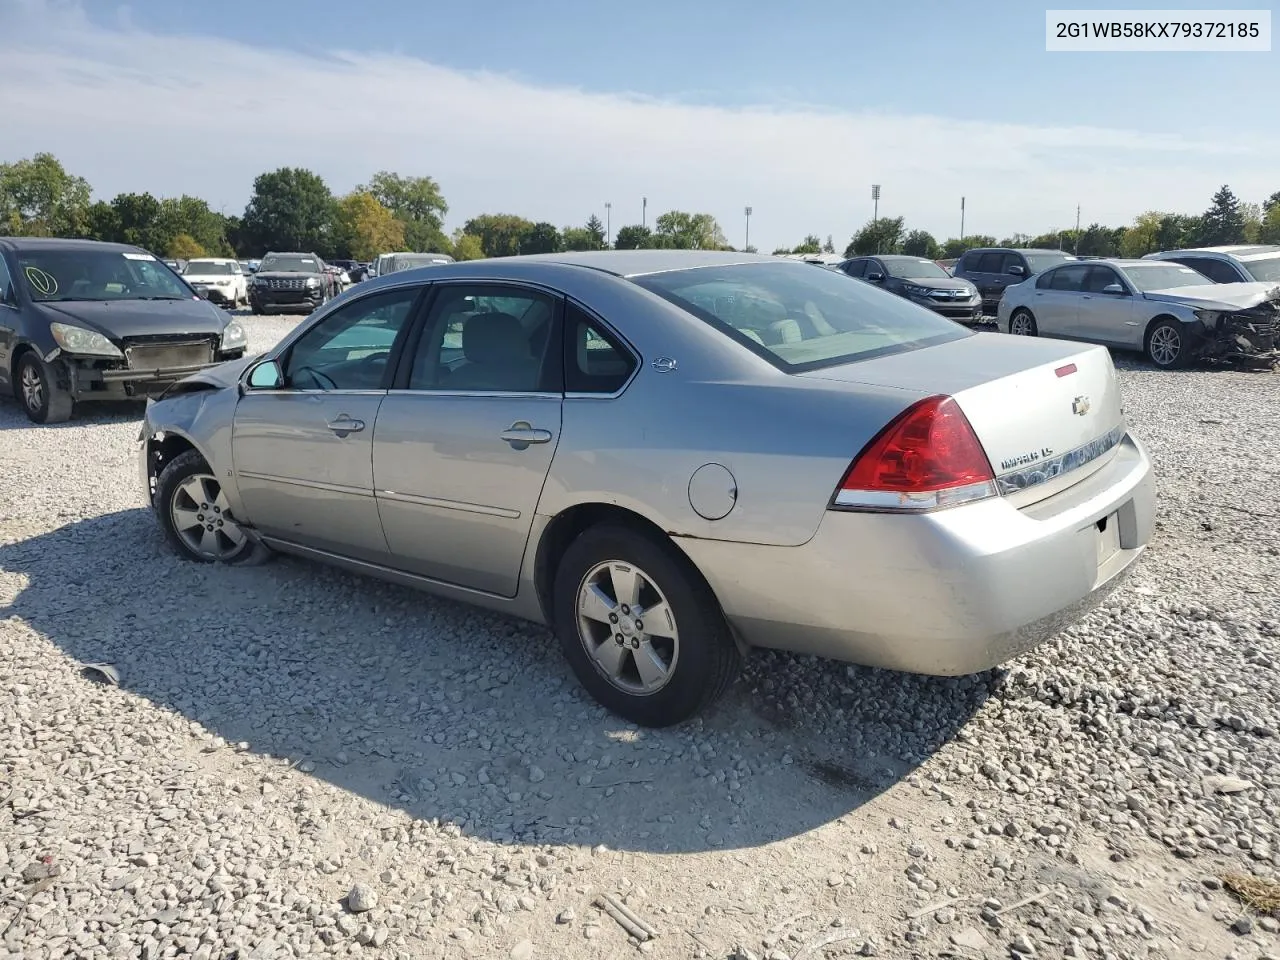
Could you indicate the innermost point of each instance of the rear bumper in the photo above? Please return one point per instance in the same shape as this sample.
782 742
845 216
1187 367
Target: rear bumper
947 593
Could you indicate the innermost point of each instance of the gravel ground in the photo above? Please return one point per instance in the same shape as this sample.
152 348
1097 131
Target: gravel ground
297 761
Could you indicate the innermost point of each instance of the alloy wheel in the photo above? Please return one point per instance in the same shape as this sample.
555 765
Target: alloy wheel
627 627
202 518
1021 325
1166 344
32 386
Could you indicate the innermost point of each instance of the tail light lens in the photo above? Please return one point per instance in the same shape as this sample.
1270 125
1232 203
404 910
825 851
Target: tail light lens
927 457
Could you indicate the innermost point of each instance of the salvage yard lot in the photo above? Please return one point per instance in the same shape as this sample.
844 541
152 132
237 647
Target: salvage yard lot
283 732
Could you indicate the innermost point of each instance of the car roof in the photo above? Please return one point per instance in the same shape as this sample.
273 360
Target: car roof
1241 251
637 263
19 244
1016 250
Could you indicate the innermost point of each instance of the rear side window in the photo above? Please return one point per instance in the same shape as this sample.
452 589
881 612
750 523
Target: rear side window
855 268
1219 271
798 318
1069 278
988 263
594 360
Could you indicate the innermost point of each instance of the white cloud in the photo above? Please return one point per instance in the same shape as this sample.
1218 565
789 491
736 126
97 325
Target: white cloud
135 111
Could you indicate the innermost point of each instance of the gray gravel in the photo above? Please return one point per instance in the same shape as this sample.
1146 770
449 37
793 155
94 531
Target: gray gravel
297 761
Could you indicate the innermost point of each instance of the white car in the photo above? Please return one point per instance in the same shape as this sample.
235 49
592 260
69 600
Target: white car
220 280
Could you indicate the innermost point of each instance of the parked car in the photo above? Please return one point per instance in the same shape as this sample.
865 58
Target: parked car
218 280
921 281
1170 312
1233 264
392 262
81 320
248 267
991 269
864 479
291 281
177 266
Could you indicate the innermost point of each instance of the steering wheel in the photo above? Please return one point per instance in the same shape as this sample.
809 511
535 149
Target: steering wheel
318 377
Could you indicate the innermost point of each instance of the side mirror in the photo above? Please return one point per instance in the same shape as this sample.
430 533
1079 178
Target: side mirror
1114 288
875 276
1018 270
267 375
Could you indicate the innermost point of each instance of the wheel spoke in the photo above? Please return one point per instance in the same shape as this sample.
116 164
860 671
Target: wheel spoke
611 657
208 490
220 501
595 604
209 543
233 533
185 519
659 621
626 584
650 666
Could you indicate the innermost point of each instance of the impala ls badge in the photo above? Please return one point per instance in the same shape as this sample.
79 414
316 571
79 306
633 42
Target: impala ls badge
1080 406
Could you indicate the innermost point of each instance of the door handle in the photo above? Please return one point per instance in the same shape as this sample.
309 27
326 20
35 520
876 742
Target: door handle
344 425
521 433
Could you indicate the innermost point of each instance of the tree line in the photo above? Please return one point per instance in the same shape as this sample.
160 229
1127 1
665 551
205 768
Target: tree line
1226 221
292 208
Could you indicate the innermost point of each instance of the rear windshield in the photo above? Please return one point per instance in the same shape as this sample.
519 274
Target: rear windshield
802 319
208 268
1267 270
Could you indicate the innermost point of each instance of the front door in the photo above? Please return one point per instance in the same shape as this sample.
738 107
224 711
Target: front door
303 453
464 440
1108 318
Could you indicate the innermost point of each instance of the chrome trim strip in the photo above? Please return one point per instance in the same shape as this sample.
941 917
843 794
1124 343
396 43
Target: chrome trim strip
1071 460
310 484
460 505
885 501
496 394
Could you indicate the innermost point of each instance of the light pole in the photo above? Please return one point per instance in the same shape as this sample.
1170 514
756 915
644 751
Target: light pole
875 213
962 219
644 211
747 245
608 224
1077 249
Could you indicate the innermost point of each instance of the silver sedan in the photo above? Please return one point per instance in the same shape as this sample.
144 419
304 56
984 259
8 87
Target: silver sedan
671 457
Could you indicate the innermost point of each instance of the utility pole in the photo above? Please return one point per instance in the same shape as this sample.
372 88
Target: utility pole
875 213
748 243
962 218
1077 249
644 211
608 224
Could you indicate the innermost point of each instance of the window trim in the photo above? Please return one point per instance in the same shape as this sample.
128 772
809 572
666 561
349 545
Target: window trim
399 384
608 328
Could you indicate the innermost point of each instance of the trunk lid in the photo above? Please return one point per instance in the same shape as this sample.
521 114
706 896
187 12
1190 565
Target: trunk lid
1044 425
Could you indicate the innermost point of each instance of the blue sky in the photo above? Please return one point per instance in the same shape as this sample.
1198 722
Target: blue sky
550 109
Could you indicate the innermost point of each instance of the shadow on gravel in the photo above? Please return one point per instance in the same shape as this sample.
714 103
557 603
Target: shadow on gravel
113 411
443 711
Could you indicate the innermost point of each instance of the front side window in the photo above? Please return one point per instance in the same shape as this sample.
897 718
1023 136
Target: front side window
855 268
350 348
6 283
97 274
488 339
1099 278
594 360
800 319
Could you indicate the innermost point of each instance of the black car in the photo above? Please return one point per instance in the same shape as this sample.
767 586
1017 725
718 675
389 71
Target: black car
81 320
992 269
921 281
291 281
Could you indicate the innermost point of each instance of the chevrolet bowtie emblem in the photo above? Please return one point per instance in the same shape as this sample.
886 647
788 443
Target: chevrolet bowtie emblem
1080 406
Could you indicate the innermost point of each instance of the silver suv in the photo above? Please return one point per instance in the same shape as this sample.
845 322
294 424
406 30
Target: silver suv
1241 263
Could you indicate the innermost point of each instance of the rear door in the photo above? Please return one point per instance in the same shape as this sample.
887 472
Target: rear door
1057 303
464 440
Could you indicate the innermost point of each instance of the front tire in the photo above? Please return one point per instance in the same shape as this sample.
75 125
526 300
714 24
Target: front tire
37 389
1168 346
1023 324
640 628
196 518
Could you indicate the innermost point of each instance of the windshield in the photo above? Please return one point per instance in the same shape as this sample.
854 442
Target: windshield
209 268
288 264
914 269
1266 270
1163 276
1043 261
798 318
88 274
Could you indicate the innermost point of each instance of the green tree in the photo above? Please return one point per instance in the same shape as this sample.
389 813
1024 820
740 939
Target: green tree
467 246
365 228
1143 237
688 231
1269 229
542 237
184 247
829 246
500 233
1178 230
884 235
1099 241
1223 222
595 230
291 209
192 216
418 202
38 197
634 237
1046 241
1251 214
102 223
921 243
138 219
1271 202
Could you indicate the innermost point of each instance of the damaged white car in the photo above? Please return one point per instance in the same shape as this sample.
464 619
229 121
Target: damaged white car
1169 312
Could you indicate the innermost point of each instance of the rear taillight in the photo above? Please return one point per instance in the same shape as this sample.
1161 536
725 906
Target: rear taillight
927 457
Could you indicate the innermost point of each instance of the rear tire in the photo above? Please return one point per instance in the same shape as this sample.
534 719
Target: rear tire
1168 345
196 518
37 389
655 675
1023 324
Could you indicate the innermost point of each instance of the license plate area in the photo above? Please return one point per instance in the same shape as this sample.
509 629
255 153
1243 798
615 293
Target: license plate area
1108 537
